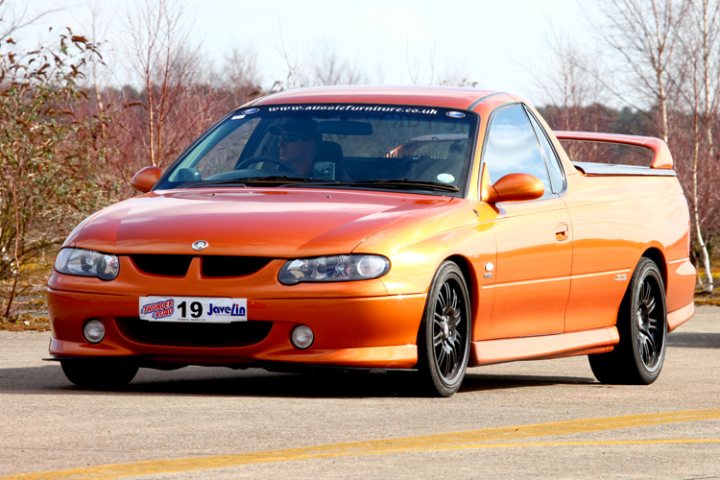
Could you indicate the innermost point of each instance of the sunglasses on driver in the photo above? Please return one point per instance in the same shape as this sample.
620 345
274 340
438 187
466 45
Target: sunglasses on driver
293 137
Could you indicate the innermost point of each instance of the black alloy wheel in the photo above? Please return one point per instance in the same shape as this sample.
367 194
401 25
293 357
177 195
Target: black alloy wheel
642 325
649 316
444 337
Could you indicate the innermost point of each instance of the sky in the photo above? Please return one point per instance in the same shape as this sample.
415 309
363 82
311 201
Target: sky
503 45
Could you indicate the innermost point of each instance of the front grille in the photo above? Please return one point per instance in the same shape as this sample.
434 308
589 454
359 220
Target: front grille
216 266
236 334
168 265
212 266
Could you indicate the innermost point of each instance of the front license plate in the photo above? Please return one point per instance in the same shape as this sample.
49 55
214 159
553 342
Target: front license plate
193 309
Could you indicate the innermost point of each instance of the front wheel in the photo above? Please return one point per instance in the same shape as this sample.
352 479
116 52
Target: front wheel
444 337
98 373
642 325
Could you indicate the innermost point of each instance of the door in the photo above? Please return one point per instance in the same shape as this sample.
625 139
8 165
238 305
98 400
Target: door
531 278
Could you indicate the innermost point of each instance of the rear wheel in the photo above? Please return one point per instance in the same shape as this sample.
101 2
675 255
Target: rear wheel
642 325
444 337
98 373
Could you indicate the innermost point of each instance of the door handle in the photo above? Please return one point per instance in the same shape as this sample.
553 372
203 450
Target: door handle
561 232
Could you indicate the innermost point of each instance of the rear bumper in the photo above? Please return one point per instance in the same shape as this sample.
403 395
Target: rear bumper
681 280
680 316
372 332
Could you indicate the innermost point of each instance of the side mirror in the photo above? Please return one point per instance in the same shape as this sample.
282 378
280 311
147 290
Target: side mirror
146 178
514 187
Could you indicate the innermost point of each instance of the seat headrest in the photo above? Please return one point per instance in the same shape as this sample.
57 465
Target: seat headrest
329 152
328 161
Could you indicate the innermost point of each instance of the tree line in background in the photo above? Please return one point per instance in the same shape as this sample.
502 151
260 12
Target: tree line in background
664 53
69 144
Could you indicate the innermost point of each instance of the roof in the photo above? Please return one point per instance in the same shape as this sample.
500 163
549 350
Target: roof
442 97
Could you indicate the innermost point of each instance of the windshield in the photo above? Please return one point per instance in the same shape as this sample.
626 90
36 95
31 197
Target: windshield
421 149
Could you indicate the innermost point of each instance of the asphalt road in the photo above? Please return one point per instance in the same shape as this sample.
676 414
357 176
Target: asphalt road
544 419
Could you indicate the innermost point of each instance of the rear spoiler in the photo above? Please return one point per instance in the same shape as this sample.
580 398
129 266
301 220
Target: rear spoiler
662 160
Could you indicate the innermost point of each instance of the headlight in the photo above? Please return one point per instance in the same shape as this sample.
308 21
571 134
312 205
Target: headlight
87 263
338 268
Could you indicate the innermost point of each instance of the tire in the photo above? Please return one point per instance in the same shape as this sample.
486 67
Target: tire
642 325
444 336
98 373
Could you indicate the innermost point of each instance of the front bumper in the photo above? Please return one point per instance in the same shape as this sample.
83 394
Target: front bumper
367 332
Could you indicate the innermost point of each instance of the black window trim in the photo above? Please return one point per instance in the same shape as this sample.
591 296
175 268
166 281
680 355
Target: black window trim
563 187
484 148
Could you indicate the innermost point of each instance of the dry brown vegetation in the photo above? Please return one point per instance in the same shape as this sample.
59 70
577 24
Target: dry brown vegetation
69 144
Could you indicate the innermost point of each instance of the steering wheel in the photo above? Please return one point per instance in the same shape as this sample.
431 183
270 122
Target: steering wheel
283 167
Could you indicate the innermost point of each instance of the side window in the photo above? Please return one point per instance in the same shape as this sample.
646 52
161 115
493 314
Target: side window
557 176
512 147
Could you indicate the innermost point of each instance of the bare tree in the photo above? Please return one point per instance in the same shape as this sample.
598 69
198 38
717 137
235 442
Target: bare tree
294 74
645 33
11 21
414 65
422 69
323 65
571 83
701 52
328 68
240 76
166 62
455 75
96 64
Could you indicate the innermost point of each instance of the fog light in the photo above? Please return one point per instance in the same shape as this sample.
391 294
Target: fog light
302 337
94 331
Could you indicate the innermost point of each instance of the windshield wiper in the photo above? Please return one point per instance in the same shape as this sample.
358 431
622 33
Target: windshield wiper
284 180
404 183
245 181
237 182
276 180
400 183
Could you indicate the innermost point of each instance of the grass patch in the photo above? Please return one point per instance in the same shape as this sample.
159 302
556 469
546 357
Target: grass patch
713 300
702 298
29 309
22 323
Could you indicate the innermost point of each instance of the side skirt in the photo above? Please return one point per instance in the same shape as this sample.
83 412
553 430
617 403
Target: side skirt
487 352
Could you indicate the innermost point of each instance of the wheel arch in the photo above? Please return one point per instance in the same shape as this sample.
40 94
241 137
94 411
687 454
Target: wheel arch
471 281
657 256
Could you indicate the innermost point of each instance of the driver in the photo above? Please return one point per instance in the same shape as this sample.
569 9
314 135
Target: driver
297 143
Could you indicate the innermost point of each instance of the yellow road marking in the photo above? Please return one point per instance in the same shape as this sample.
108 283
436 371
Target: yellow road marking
499 437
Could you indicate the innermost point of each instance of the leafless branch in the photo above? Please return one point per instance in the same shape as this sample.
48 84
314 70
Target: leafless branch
15 21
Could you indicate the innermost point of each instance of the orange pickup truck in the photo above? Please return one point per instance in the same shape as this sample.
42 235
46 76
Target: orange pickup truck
429 229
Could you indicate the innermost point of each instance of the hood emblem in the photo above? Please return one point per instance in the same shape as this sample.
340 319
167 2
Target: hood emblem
200 245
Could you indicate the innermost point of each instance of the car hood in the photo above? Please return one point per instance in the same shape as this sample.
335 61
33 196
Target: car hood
276 222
